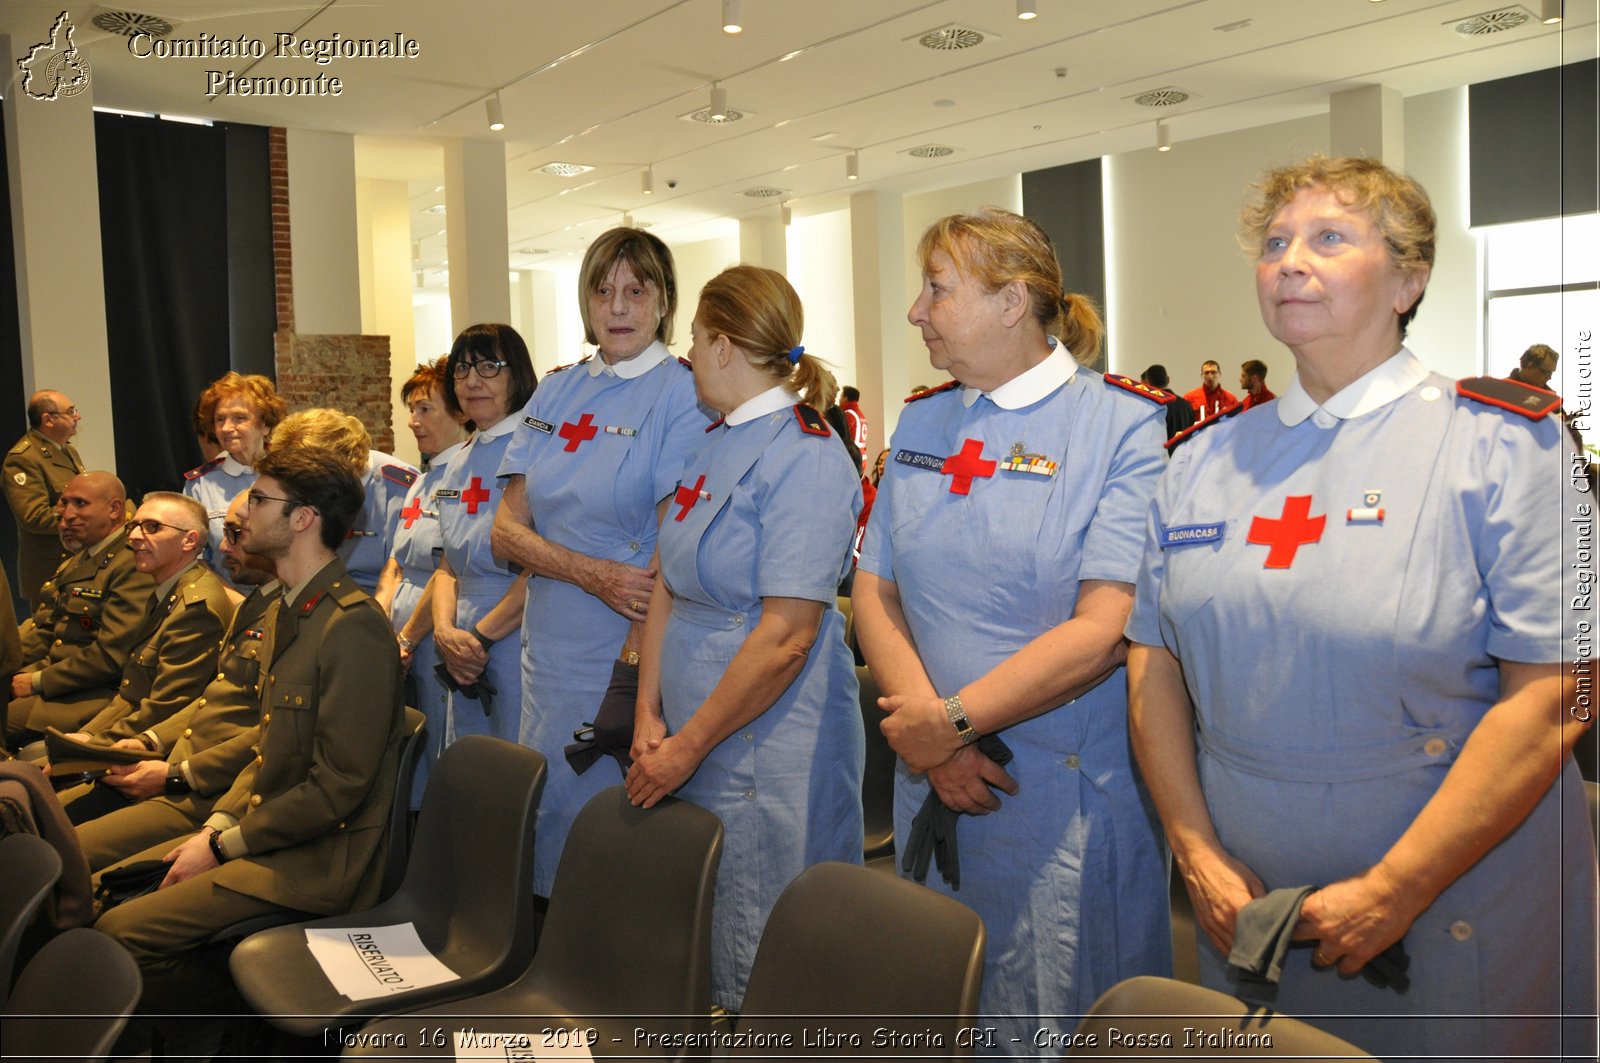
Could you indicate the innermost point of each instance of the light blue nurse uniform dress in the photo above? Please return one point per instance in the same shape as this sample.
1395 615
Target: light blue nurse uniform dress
370 542
417 548
766 509
215 485
1338 583
600 446
992 509
467 496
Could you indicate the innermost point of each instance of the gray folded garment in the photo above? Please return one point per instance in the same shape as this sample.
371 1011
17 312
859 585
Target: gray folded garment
1262 931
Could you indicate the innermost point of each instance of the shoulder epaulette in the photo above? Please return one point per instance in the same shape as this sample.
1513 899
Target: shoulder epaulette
811 422
685 362
200 470
1140 388
22 445
914 396
349 593
564 368
1188 433
718 423
400 474
1533 403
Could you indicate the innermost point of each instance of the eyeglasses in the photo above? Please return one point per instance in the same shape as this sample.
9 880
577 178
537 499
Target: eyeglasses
70 411
150 527
255 498
231 532
487 370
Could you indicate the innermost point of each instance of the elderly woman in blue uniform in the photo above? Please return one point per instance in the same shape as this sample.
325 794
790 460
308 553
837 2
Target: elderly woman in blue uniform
748 704
1387 543
994 582
594 459
441 431
243 411
478 597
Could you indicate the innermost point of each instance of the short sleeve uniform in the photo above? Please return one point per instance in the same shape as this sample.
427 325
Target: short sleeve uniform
1338 592
370 542
599 451
418 546
987 519
215 485
766 509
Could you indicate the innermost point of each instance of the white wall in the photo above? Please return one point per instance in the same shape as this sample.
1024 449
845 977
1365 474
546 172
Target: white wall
383 225
1445 334
697 263
818 252
322 233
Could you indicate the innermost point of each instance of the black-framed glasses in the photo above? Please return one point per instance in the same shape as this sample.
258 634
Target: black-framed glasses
149 527
487 369
255 498
70 411
231 532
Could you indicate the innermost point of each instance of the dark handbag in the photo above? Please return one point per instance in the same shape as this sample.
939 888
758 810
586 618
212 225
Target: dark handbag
127 882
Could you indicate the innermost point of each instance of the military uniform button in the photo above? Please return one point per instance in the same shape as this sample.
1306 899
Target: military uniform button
219 677
1072 760
266 717
188 731
299 700
1434 747
749 795
258 758
1461 930
125 682
255 800
202 701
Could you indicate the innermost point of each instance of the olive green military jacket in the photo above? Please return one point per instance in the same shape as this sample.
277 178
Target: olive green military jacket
36 470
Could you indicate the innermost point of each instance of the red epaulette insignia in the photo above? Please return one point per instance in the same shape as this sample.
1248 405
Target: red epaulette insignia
1188 433
564 368
685 362
811 422
400 475
914 396
1140 388
311 603
200 470
1533 403
718 423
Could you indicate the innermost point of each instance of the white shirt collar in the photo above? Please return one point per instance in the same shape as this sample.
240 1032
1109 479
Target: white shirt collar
637 366
441 459
1029 386
501 427
233 468
1375 389
769 401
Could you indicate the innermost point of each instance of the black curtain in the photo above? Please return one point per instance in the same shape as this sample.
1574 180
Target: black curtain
1067 203
1533 144
173 227
14 410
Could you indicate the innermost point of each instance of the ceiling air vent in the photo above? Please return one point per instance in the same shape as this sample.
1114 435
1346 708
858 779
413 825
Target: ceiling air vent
564 169
533 251
703 116
1162 97
1506 18
951 38
764 192
930 151
131 23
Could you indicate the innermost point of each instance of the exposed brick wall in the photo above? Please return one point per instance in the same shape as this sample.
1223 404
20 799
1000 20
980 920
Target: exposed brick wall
349 373
278 161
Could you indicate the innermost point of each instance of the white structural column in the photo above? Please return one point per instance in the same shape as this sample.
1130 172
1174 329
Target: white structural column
877 259
383 220
323 233
476 232
763 242
55 223
1369 121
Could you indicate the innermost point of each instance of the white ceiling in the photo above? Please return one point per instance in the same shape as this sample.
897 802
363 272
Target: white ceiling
604 83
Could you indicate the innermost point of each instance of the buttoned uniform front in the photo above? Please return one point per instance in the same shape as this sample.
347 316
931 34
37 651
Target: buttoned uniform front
36 469
773 517
417 549
80 640
468 495
209 742
600 446
215 485
370 542
1375 635
1069 874
309 810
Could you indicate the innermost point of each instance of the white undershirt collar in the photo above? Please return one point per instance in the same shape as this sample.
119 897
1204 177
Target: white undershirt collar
769 401
1031 385
233 468
637 366
1375 389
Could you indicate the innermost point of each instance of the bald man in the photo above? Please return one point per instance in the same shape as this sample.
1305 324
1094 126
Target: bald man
77 643
36 470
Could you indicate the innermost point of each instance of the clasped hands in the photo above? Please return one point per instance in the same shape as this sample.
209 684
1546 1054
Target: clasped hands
919 731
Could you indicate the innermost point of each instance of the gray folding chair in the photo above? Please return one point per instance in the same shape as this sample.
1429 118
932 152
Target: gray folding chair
32 867
72 999
626 944
847 950
468 890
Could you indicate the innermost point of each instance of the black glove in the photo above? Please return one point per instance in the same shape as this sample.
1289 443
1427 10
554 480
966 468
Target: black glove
933 829
611 733
478 690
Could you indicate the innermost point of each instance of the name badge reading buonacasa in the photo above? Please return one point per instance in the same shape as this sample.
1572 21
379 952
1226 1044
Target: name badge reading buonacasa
1191 535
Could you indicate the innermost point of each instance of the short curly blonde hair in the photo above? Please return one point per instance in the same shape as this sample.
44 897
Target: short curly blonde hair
331 430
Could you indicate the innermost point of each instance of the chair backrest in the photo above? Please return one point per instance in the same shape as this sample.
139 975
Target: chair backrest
1144 1010
72 999
31 867
877 778
847 949
472 855
629 925
398 831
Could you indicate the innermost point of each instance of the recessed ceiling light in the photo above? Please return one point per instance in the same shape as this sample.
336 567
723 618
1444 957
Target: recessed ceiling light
951 38
764 192
944 103
820 137
1506 18
533 250
930 151
705 115
1229 27
131 23
1162 97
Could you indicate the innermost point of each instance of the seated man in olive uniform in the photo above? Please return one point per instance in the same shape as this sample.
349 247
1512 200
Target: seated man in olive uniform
78 643
207 743
301 829
176 652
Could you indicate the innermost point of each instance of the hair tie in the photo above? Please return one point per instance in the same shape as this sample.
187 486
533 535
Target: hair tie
794 354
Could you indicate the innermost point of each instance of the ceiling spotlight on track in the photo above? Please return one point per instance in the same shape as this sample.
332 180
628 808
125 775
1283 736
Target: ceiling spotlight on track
647 181
731 22
1026 10
786 214
497 118
1163 135
1550 12
627 219
719 103
852 166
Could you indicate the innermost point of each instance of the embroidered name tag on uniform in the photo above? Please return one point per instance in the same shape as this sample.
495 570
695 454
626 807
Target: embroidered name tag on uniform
447 493
539 426
1191 535
1021 461
920 461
